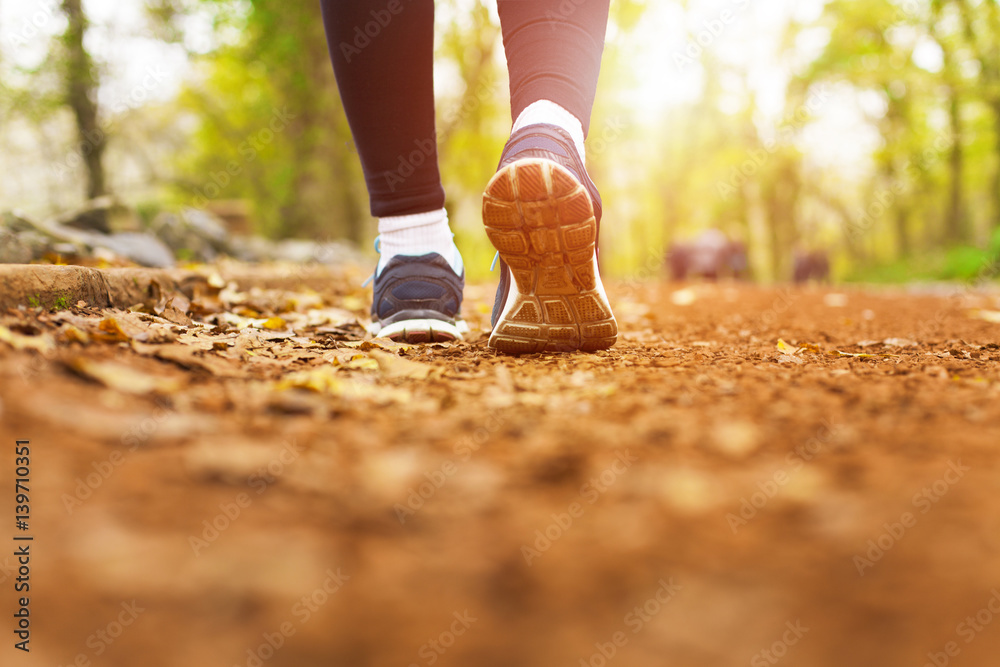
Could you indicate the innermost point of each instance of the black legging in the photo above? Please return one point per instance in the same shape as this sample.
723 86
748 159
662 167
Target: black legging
383 50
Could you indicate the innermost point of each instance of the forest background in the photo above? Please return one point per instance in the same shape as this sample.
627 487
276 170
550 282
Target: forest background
869 130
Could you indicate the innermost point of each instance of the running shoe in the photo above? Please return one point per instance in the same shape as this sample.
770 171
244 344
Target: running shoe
542 214
418 299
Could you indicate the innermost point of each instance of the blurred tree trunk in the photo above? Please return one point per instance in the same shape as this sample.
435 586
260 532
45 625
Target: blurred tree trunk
311 125
982 32
955 214
896 128
475 63
781 194
81 94
954 223
321 200
904 244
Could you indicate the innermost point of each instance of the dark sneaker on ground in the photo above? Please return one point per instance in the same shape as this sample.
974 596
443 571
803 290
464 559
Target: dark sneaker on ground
542 213
418 299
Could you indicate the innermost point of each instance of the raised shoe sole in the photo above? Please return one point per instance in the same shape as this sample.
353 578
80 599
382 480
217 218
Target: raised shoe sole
541 220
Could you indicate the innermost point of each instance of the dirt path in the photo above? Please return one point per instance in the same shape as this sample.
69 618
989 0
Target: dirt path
285 493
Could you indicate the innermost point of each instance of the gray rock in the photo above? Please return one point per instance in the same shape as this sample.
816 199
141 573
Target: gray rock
194 234
37 243
104 215
252 248
68 248
12 249
140 247
330 253
15 222
296 251
181 238
95 220
208 227
49 237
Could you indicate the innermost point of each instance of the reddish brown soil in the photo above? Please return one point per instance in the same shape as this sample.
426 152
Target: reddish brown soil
830 452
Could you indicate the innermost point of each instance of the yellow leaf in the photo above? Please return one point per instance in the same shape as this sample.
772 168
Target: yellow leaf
321 380
111 331
377 344
353 303
327 380
794 350
20 342
865 355
786 348
75 335
359 362
274 324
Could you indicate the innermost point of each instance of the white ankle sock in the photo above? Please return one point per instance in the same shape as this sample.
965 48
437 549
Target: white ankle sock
546 111
417 234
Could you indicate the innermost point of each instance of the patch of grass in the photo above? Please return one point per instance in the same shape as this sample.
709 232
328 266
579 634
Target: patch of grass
895 272
958 263
61 302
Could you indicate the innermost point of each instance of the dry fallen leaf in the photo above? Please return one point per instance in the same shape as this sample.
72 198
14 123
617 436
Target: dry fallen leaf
865 355
73 334
176 309
274 324
786 348
326 380
42 343
191 357
354 303
122 378
350 359
394 366
992 316
377 344
321 380
796 350
790 359
110 331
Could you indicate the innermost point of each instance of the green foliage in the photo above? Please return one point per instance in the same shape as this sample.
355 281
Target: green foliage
957 263
61 302
147 210
271 129
994 246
